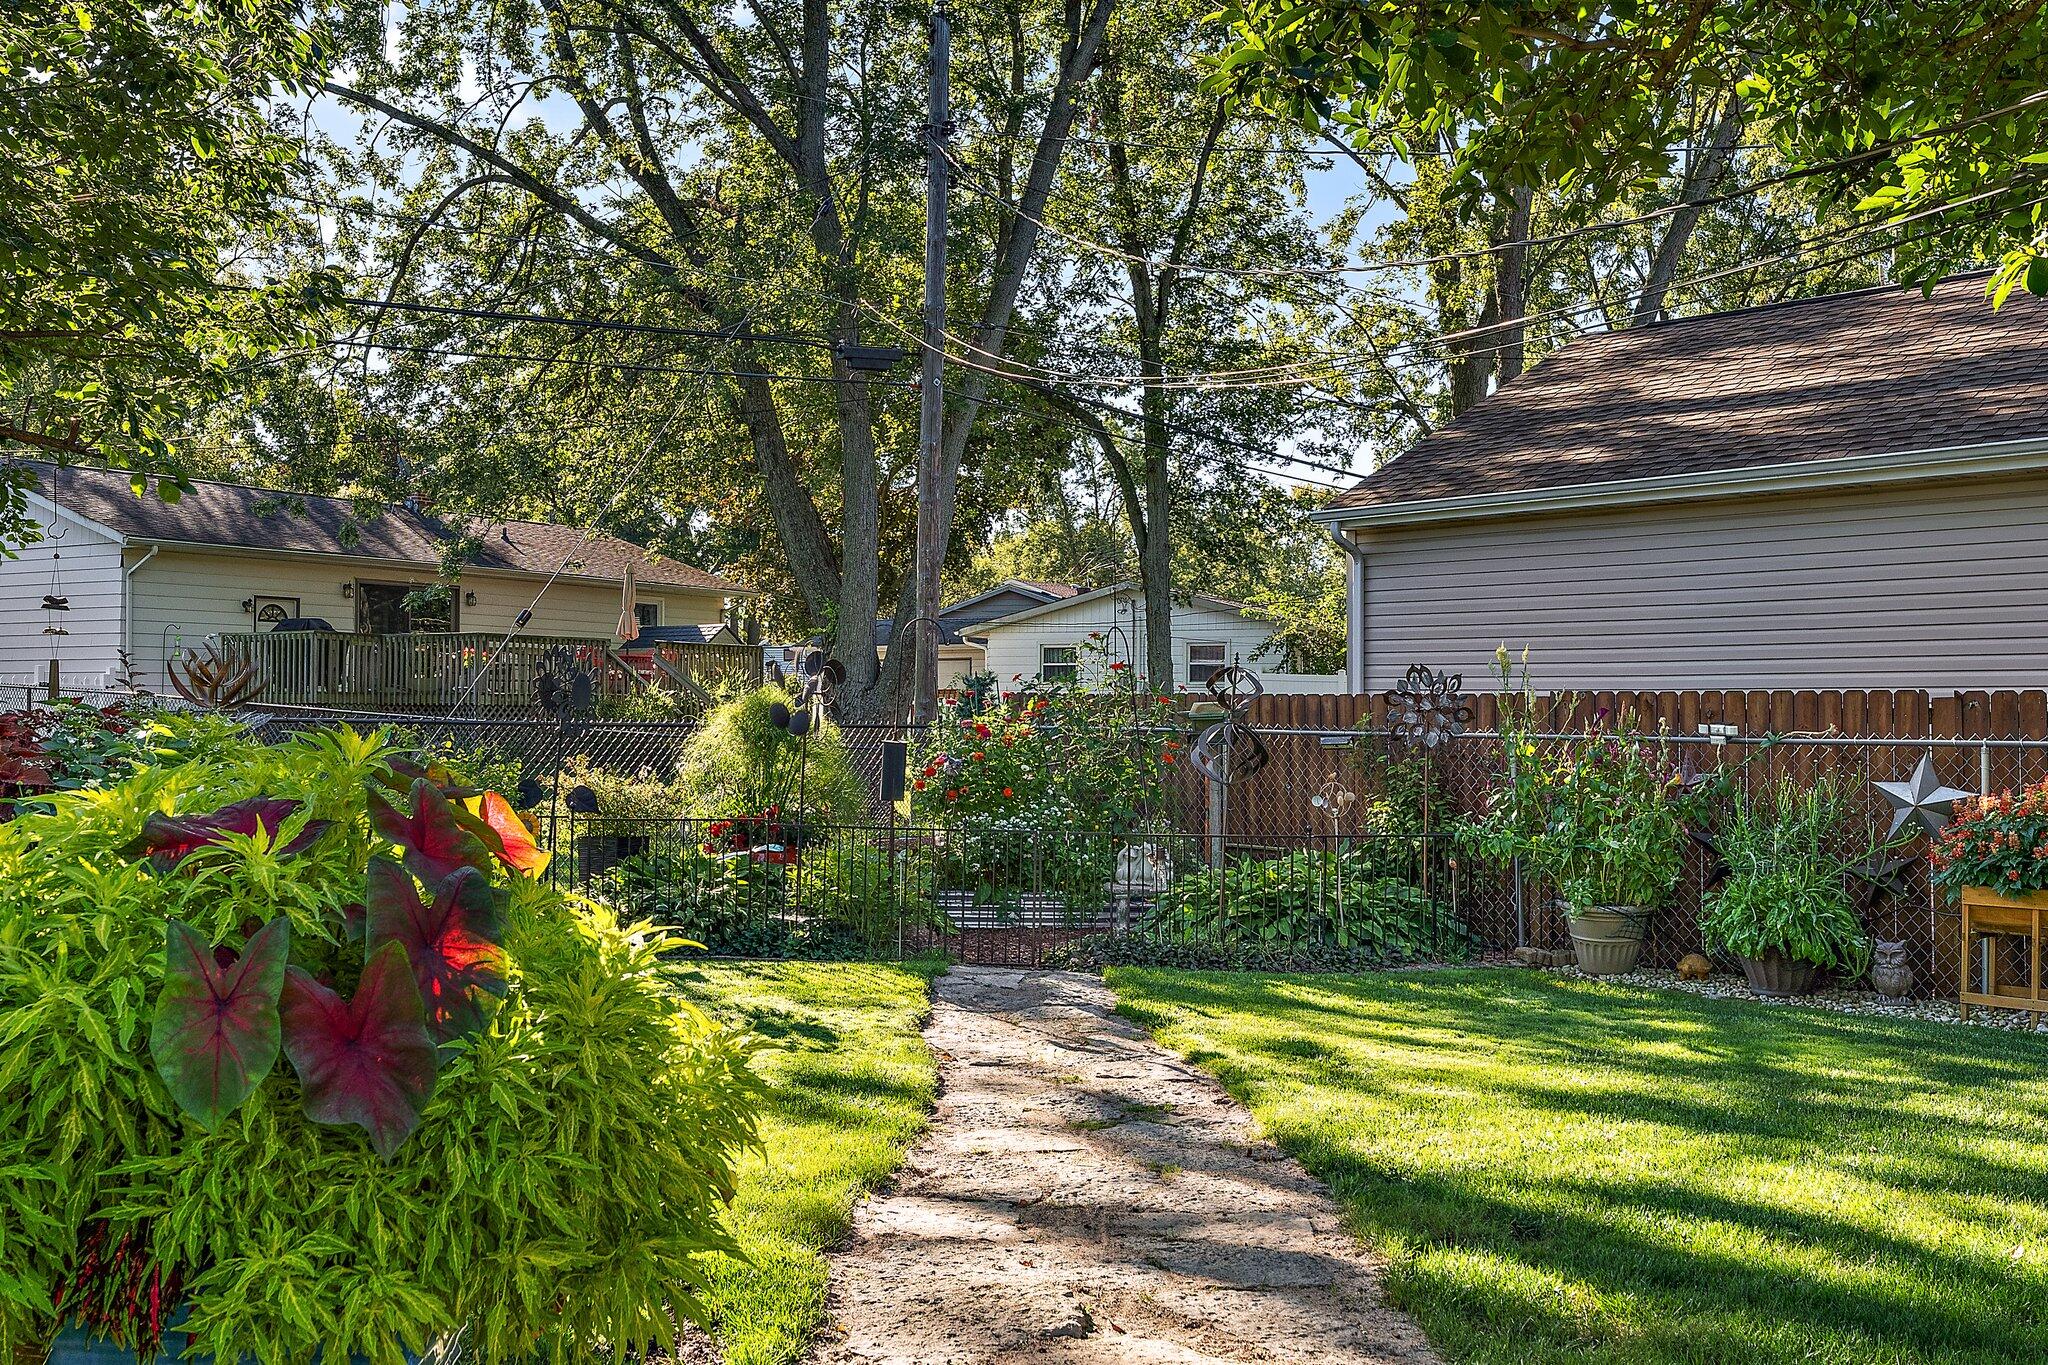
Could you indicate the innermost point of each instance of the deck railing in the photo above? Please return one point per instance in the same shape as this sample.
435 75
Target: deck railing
431 671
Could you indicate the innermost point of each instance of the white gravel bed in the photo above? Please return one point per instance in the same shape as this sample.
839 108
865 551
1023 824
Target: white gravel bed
1840 999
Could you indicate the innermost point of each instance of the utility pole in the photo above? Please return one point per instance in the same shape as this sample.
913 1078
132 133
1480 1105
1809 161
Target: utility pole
931 408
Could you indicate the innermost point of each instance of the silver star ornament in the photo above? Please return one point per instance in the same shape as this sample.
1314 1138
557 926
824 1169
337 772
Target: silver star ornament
1921 797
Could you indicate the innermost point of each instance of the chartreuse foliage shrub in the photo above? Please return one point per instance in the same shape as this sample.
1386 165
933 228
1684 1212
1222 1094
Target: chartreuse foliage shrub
740 763
291 1037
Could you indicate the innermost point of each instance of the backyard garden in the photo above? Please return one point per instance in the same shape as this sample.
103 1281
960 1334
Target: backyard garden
365 1042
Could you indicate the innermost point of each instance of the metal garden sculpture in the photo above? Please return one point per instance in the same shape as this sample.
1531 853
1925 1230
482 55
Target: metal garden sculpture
1230 750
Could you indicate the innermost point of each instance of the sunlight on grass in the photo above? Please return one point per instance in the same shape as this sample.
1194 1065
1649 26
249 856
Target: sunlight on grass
1563 1170
851 1083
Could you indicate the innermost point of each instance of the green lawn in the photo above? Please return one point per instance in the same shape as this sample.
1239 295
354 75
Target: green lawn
851 1083
1560 1170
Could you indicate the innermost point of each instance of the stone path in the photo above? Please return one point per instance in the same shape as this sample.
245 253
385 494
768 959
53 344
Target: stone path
1082 1196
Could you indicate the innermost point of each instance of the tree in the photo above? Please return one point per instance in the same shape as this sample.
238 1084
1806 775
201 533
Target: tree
710 166
136 174
1908 112
1172 183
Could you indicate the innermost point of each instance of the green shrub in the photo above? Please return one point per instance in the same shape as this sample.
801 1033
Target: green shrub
1787 888
1308 897
739 762
557 1195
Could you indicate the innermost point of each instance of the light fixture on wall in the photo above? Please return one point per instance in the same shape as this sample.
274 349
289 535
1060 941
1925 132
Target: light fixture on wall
348 591
248 604
469 598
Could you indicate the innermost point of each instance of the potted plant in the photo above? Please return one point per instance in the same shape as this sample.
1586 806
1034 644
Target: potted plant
1784 910
1994 856
1598 815
299 1060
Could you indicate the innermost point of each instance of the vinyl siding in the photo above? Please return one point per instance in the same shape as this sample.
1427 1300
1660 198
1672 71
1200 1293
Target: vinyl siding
181 597
1940 586
1014 650
87 562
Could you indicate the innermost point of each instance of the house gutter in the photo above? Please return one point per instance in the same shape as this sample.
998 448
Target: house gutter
1354 610
128 600
1940 462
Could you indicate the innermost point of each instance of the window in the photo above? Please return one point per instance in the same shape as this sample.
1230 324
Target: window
396 608
648 614
1204 662
1059 663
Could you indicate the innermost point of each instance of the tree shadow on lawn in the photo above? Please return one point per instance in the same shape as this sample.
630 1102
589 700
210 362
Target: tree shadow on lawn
1393 1091
1895 1300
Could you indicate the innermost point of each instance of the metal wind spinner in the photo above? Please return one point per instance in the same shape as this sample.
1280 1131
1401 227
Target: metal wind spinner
1425 707
1230 750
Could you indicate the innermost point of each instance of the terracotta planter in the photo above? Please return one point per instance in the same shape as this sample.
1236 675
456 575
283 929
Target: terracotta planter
1608 938
1776 975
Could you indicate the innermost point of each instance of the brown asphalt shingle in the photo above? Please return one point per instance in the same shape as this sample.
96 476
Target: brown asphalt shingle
235 515
1873 372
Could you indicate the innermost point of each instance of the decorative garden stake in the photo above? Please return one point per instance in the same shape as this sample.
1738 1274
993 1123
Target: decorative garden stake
1427 707
1921 797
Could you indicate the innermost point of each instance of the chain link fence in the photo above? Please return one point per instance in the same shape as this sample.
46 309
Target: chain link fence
1282 811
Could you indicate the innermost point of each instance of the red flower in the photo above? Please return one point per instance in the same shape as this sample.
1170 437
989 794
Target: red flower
952 795
981 730
977 755
1166 758
1008 792
917 785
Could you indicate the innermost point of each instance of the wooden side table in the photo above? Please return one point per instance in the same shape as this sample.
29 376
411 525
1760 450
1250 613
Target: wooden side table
1989 915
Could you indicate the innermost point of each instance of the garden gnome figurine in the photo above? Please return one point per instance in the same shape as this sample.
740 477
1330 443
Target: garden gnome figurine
1142 873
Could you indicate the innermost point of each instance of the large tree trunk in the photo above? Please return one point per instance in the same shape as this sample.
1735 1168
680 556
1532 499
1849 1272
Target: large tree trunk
1511 286
1702 177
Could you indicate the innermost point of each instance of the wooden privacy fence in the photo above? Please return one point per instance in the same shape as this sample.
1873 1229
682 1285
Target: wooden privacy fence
1879 713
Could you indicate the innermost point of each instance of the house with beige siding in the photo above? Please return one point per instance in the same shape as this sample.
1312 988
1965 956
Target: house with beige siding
1076 637
1841 492
156 577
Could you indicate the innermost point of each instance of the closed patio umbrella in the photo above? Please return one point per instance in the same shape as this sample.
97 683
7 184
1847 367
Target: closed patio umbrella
629 600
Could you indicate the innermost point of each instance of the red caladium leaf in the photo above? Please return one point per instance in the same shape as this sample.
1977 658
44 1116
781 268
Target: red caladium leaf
452 943
168 838
367 1061
215 1034
434 838
516 846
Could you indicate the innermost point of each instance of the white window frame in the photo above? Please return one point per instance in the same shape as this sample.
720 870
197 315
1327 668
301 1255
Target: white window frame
641 611
1069 668
1201 670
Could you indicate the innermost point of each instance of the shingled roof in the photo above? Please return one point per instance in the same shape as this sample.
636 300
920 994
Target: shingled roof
240 517
1874 372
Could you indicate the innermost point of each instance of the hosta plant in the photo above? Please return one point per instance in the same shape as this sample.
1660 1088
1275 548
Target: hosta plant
294 1044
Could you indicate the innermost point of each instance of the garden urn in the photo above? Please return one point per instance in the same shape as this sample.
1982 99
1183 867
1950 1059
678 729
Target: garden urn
1608 938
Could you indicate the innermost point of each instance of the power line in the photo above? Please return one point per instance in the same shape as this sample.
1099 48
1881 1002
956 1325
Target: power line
623 366
1872 153
728 334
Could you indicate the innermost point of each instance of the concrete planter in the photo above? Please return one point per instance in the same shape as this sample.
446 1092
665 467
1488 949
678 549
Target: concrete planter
1608 938
1779 976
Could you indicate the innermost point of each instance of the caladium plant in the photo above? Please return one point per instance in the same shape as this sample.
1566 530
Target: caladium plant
432 963
215 1034
513 840
168 839
368 1060
451 941
429 827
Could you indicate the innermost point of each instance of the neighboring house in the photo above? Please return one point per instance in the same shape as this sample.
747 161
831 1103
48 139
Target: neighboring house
1842 492
156 578
1073 637
960 657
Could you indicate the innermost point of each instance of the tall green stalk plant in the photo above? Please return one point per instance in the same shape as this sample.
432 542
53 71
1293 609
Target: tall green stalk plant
1787 889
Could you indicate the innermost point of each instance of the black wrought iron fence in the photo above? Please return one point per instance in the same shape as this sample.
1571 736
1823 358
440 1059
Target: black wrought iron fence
1021 896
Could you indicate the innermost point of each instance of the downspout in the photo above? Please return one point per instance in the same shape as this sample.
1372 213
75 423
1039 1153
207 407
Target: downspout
128 602
1354 611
